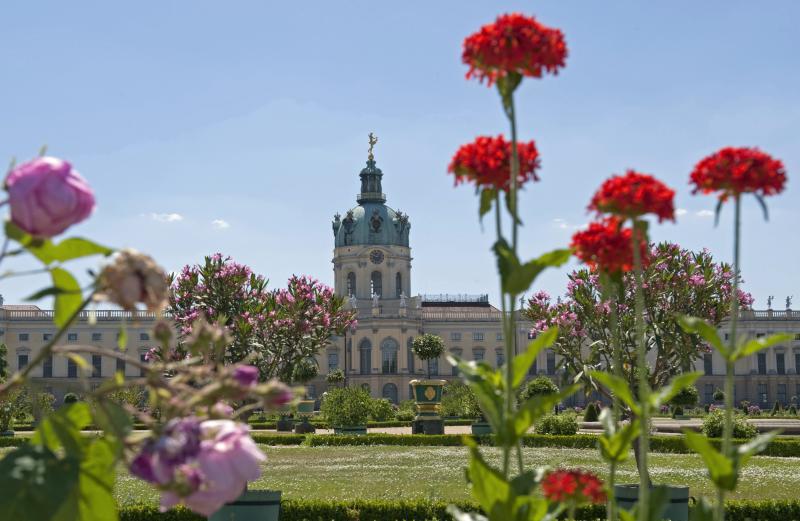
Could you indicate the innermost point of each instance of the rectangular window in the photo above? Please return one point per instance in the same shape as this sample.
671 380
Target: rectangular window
143 360
144 337
455 336
499 337
47 337
727 336
532 369
782 393
72 337
478 355
762 363
22 361
120 366
454 370
333 361
23 337
96 337
531 334
797 390
311 390
97 366
72 368
433 366
389 361
797 336
500 358
707 364
47 367
551 362
780 363
763 394
759 335
708 393
477 336
797 364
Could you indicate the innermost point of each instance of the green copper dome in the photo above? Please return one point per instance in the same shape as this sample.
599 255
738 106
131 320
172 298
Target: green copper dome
371 222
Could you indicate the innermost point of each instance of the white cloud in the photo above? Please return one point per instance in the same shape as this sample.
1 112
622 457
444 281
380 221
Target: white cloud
560 223
564 225
681 211
219 224
165 217
705 213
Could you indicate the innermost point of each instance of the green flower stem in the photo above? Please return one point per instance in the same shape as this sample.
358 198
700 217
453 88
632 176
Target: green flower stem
644 385
611 511
617 360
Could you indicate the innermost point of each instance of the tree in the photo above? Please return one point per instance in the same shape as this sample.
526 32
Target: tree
686 397
335 377
539 386
676 281
3 362
428 347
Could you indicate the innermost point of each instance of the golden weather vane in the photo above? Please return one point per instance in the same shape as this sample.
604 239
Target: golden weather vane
373 140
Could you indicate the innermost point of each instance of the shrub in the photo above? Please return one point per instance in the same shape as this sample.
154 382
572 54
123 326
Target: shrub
346 406
591 414
458 399
713 424
677 411
776 408
382 410
707 408
406 411
793 410
541 385
70 398
561 424
754 410
745 405
686 397
335 377
6 417
719 396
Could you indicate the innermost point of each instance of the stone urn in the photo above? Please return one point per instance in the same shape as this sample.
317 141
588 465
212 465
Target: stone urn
428 398
305 410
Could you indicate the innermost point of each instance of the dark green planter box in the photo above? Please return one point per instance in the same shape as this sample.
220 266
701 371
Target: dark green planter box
676 508
356 430
305 407
8 433
284 425
252 505
481 428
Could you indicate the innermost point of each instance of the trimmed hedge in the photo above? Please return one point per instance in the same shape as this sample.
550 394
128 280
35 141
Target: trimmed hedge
425 510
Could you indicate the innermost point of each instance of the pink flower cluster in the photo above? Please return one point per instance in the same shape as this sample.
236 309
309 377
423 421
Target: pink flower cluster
203 464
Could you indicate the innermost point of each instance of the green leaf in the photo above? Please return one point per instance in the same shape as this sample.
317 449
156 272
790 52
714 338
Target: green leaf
122 338
489 487
524 361
35 483
488 195
757 344
537 406
76 248
69 301
63 429
521 278
93 498
700 327
486 384
618 388
763 206
615 445
703 510
46 292
717 212
115 421
674 387
720 468
747 450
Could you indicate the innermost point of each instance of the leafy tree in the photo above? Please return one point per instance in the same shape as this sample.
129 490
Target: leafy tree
686 397
3 362
335 377
428 347
676 281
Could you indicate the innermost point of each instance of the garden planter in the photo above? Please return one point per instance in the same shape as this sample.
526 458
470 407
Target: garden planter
305 410
675 509
284 424
252 505
351 430
428 397
481 428
7 433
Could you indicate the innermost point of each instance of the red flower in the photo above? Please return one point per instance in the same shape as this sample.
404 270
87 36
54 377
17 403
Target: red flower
733 171
634 195
513 44
606 246
487 163
573 486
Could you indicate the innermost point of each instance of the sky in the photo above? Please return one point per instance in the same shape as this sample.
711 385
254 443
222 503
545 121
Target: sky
241 127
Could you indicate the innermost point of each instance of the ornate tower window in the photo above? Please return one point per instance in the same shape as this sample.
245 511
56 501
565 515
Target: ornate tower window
389 350
376 284
410 354
398 284
365 356
351 284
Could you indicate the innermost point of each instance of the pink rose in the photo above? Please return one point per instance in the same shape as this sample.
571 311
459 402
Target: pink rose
47 196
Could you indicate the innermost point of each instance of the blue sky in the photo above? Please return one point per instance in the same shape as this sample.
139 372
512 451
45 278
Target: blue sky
241 127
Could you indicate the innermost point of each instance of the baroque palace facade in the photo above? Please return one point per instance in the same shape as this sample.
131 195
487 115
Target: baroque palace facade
372 270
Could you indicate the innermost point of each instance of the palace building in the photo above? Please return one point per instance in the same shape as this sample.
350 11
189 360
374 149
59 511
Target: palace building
372 270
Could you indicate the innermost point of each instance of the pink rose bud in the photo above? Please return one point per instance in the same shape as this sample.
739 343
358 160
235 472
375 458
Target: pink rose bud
246 375
47 196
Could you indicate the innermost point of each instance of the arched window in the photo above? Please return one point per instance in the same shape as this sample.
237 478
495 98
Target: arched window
398 284
389 350
351 284
410 355
390 393
457 354
365 356
376 284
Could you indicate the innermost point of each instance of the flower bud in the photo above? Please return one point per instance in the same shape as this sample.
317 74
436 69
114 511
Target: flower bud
245 375
132 278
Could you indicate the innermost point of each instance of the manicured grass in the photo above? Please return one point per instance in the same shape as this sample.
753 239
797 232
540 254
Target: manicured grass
390 472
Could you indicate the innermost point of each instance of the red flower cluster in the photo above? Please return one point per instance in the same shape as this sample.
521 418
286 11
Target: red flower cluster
733 171
606 246
514 44
633 195
487 163
575 486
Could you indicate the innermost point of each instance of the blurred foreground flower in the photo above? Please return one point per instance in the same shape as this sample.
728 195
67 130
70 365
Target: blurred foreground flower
134 278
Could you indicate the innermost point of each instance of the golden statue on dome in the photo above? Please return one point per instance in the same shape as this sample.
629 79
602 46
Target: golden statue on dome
373 140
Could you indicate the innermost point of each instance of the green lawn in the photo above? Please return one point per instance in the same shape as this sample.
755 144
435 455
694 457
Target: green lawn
437 473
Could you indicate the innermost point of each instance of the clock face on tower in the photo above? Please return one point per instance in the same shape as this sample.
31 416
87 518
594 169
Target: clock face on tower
376 256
